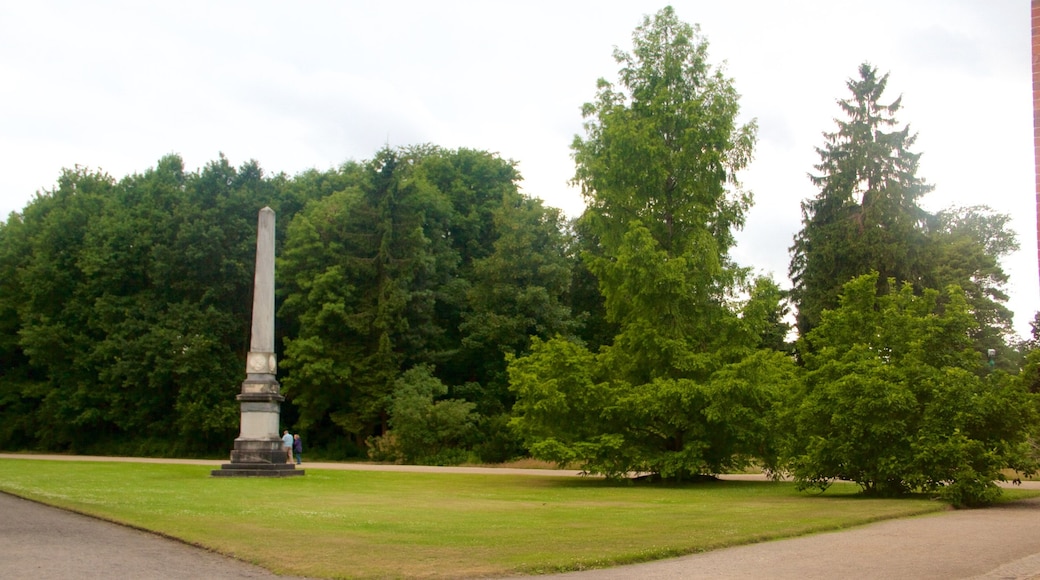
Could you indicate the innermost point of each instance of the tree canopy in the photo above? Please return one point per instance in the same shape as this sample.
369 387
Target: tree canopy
669 394
893 400
867 217
126 302
426 257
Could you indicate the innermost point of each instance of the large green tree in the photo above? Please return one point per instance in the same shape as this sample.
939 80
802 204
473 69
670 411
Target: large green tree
658 168
53 388
893 400
658 171
866 215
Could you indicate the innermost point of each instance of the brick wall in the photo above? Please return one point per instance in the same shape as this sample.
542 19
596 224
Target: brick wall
1036 116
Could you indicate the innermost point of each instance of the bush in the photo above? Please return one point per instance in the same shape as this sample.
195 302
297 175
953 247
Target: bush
422 429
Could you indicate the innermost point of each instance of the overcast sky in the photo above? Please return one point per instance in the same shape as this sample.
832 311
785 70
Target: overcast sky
298 85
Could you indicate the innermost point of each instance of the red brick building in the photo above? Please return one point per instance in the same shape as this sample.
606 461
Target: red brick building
1036 116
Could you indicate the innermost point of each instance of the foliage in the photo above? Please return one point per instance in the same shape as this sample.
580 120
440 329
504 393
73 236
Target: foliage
518 291
967 245
349 261
866 215
570 413
898 397
893 402
125 313
1030 375
680 389
662 148
424 427
125 307
564 412
426 258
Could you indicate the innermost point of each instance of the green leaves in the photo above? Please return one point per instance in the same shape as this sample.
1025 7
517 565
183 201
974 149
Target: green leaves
130 307
672 394
426 258
570 409
893 400
664 150
935 305
425 429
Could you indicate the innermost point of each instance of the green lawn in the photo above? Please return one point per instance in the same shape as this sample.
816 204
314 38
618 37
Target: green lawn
360 524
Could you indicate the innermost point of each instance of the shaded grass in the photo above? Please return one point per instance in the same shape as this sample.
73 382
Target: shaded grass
362 524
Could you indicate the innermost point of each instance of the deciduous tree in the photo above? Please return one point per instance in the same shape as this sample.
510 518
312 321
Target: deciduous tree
658 170
893 401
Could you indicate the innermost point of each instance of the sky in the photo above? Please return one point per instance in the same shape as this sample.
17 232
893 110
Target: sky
115 86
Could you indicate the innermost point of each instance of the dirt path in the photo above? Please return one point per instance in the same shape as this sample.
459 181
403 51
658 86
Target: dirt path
1002 542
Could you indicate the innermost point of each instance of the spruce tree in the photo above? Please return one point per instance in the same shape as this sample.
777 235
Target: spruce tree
866 215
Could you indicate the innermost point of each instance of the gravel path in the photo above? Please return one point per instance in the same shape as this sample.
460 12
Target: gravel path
998 543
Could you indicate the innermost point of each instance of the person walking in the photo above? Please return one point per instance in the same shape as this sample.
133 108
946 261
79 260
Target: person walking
297 447
287 443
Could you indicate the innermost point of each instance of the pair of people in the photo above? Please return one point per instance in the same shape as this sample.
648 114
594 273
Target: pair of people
293 446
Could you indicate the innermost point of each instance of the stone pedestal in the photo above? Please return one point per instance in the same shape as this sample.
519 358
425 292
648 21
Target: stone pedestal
257 470
258 449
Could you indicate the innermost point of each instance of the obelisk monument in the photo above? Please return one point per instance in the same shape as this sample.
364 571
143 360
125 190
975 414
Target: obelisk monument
258 448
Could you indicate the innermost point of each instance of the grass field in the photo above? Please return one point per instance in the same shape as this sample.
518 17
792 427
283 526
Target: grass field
363 524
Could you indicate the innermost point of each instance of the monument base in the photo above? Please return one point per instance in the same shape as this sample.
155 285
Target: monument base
258 458
257 470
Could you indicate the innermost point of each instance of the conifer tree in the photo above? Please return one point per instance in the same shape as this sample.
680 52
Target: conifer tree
866 215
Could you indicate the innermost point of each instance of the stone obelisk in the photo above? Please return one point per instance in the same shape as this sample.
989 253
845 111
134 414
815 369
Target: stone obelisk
258 448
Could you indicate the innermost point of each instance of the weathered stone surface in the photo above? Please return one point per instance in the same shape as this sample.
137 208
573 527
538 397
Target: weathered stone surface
262 336
260 404
261 363
241 469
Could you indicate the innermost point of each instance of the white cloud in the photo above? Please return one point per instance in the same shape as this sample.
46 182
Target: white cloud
117 85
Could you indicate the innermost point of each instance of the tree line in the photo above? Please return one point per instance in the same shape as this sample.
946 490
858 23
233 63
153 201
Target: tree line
126 303
429 312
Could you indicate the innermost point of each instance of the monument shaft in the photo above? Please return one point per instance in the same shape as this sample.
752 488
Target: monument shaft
262 335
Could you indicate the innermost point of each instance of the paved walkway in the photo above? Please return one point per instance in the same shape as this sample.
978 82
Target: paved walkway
994 543
998 543
45 543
